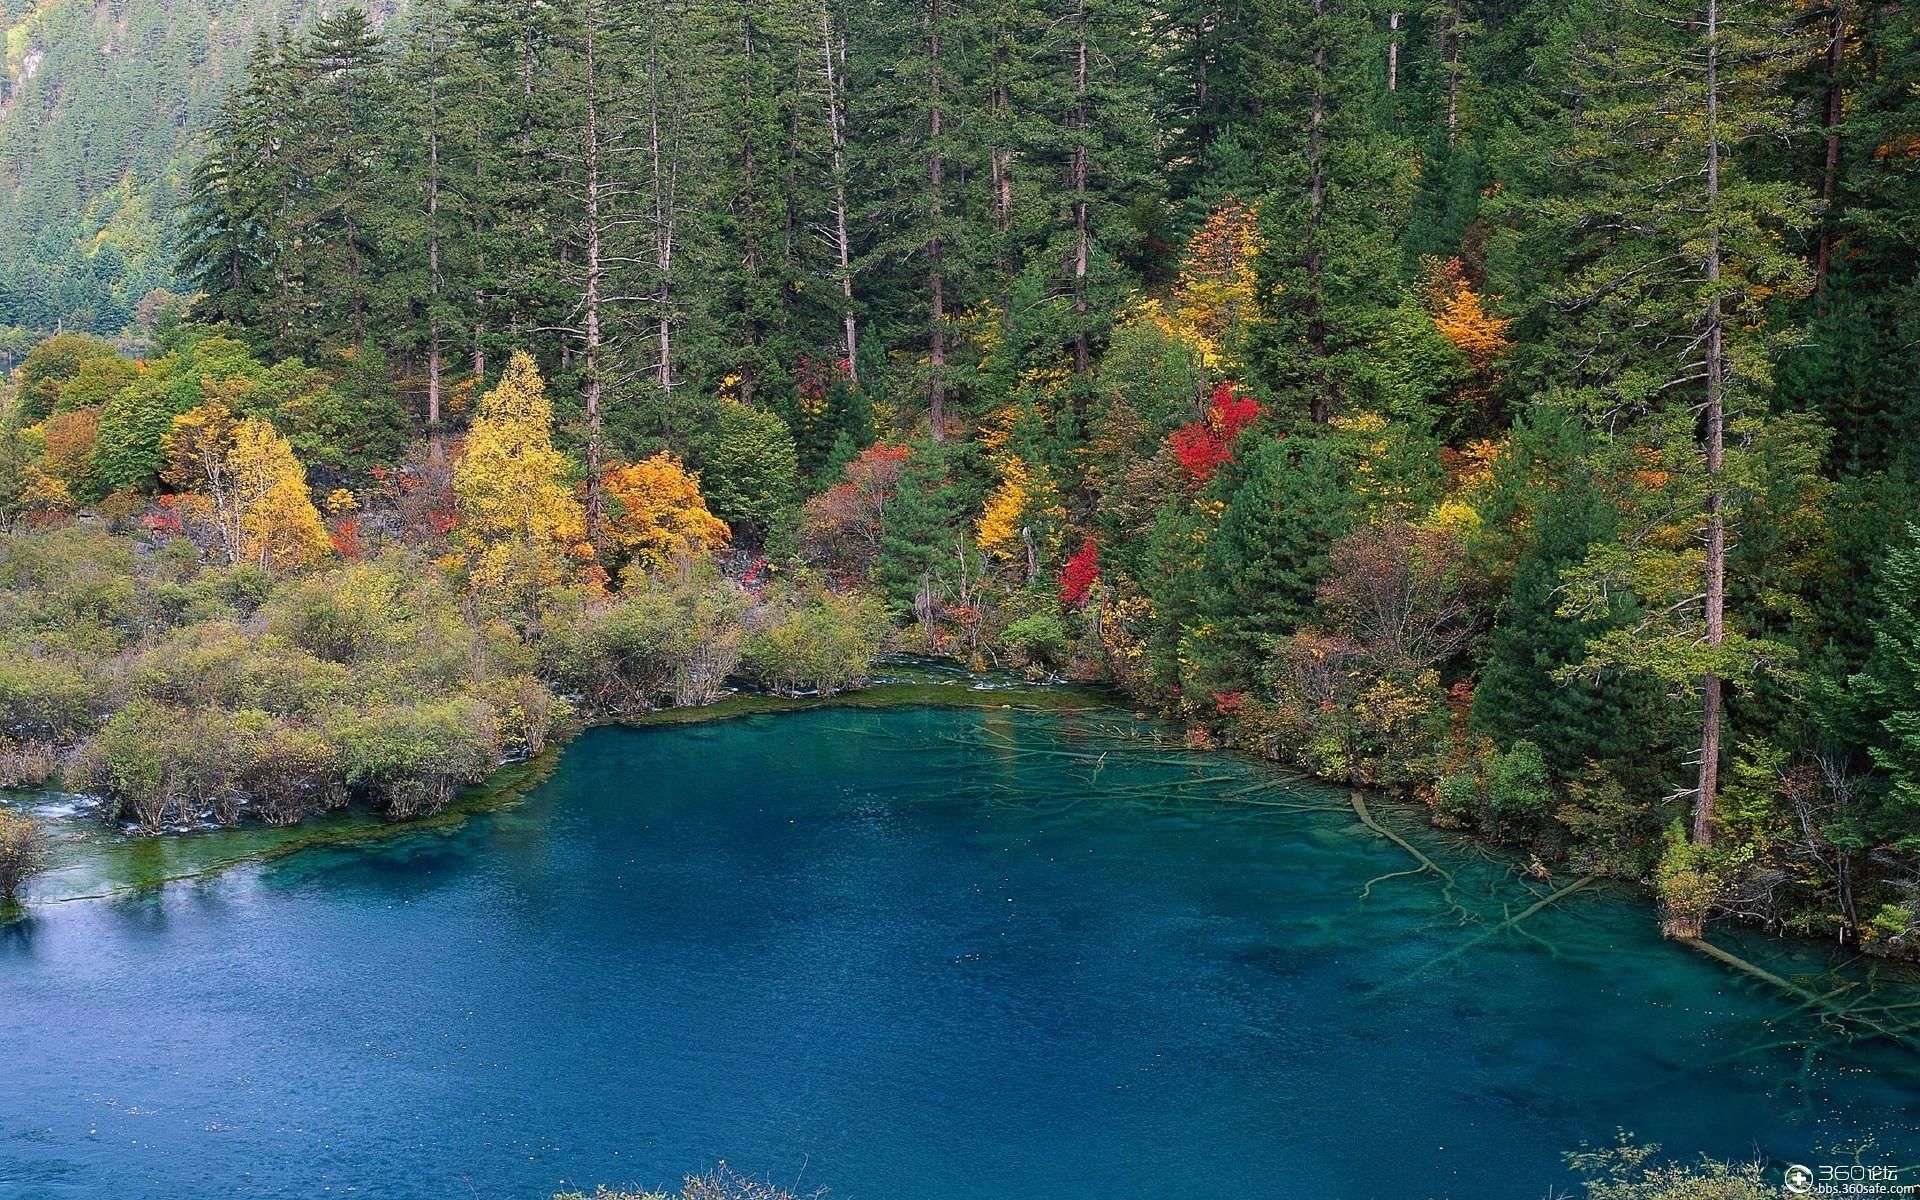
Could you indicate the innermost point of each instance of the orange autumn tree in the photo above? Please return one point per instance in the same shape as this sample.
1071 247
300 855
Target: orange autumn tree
658 515
1460 316
246 488
70 438
523 529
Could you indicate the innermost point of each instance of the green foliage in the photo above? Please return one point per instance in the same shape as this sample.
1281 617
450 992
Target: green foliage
925 545
1690 881
86 220
1629 1171
1885 695
409 758
1519 787
1286 507
42 698
663 640
342 421
1038 638
808 640
51 366
1523 692
749 472
1336 200
364 681
130 453
23 852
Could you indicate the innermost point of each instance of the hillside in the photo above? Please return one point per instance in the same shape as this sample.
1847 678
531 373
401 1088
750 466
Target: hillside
100 104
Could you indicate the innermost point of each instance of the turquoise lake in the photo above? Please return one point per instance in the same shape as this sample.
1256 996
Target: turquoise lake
911 954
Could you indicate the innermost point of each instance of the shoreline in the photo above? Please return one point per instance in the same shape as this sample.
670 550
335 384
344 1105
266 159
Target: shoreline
926 685
184 855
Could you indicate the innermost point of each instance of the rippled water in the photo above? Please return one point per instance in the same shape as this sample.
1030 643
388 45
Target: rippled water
924 953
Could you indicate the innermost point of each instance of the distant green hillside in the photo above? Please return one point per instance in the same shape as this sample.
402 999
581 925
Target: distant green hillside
100 103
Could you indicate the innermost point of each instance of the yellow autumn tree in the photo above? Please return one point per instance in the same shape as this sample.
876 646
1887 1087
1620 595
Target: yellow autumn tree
44 495
279 527
520 523
1023 514
997 532
1214 295
247 488
658 514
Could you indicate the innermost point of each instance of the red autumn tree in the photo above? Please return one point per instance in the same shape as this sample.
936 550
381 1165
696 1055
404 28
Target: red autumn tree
840 528
1080 574
1204 445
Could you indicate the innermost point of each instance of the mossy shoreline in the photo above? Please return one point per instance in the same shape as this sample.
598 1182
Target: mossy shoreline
107 864
102 863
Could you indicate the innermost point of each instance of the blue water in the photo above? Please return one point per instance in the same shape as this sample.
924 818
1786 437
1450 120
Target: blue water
922 954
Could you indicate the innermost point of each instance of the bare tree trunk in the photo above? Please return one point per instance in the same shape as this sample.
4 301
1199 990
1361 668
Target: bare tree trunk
1393 52
1830 180
1000 164
750 240
1080 232
591 300
837 127
434 446
936 179
1453 36
663 210
1716 449
1321 403
480 262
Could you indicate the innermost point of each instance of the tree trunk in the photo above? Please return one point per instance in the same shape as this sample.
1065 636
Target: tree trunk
1321 403
1000 166
591 300
663 212
1715 453
1080 232
843 246
1453 70
937 319
480 257
1830 179
752 260
433 274
1393 52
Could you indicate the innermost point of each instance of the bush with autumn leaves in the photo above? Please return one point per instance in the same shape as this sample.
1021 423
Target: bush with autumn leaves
241 644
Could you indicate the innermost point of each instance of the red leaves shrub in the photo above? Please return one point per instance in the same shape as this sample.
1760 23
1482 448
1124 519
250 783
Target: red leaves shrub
1080 574
1204 445
840 528
164 521
345 536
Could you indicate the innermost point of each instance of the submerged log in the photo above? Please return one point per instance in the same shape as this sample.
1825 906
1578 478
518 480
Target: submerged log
1902 1036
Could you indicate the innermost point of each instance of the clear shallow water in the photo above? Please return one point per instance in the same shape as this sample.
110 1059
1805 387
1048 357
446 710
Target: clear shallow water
921 953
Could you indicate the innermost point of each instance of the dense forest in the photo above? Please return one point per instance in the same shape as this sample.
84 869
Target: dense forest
1507 403
100 107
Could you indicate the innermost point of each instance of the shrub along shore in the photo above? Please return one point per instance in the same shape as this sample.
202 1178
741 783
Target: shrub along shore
180 692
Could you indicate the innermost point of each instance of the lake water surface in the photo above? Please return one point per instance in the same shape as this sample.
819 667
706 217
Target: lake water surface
924 954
